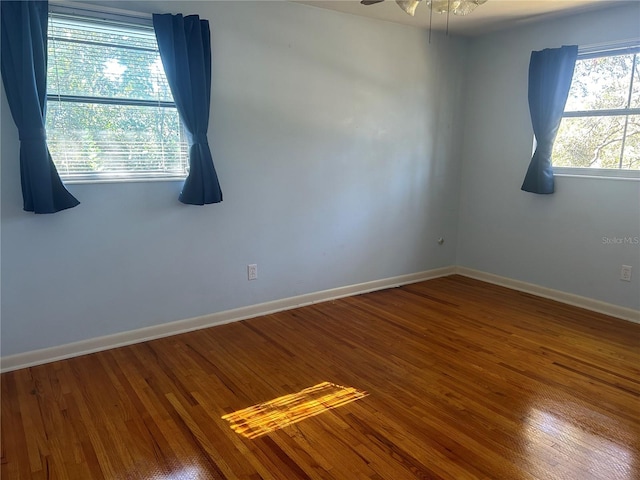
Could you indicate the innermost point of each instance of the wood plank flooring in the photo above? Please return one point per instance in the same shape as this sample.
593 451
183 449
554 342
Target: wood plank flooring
465 380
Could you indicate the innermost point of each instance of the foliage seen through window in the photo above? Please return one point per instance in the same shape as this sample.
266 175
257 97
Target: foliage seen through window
110 112
601 123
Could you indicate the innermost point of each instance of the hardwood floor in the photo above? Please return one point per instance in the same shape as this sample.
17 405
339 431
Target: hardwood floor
464 380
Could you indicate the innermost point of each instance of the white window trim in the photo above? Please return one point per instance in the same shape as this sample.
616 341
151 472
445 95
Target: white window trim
90 179
100 12
600 173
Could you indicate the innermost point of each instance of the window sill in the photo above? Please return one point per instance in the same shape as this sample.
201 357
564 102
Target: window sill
597 173
89 180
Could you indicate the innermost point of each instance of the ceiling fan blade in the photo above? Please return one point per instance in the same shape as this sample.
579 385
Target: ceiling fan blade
370 2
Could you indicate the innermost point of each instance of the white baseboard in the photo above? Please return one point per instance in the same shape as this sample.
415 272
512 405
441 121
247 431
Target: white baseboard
617 311
92 345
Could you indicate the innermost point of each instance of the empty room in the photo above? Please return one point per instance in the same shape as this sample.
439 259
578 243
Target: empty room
320 240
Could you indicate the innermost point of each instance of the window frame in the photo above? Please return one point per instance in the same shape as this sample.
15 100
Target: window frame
125 18
597 51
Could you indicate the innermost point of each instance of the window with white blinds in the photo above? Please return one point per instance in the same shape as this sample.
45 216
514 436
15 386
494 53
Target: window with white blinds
110 112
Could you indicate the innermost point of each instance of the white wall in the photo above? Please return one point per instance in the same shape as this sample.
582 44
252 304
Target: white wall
557 240
333 140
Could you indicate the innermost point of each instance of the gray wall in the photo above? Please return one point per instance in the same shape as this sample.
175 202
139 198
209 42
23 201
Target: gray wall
334 142
555 240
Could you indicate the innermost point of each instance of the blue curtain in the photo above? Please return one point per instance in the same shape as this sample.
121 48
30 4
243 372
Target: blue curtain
185 49
550 74
24 73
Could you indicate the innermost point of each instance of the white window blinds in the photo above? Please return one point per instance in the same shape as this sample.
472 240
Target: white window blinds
110 112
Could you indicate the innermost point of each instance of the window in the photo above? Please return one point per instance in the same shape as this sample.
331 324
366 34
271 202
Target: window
600 129
110 112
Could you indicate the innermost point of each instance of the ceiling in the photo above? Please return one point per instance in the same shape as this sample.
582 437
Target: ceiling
493 15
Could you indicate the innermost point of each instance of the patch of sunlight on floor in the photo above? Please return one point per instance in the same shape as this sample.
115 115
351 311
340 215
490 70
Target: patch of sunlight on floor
258 420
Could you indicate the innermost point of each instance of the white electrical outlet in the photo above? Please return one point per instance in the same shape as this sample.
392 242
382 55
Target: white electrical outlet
252 271
625 273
